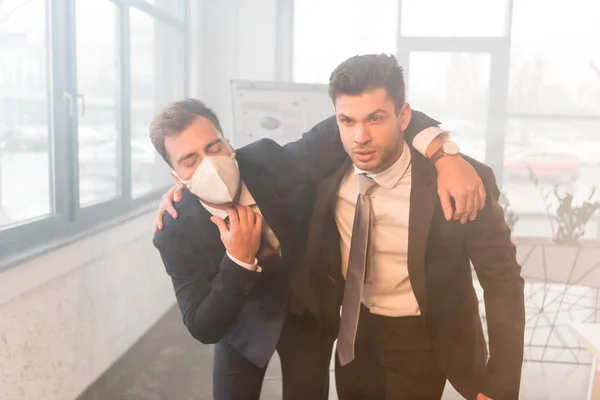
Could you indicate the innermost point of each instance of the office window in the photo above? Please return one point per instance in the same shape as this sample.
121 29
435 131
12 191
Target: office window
554 110
157 78
555 66
25 134
98 130
560 152
339 30
457 18
173 7
454 89
79 83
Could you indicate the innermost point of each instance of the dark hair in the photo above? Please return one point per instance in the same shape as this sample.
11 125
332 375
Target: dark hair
175 118
364 73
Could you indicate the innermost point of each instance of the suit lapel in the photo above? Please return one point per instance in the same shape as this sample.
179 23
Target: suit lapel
323 244
331 185
323 212
423 196
267 198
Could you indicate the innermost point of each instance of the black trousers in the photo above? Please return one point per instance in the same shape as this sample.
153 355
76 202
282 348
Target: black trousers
305 354
394 359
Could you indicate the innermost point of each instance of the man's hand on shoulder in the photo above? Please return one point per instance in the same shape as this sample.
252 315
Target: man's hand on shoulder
173 195
459 180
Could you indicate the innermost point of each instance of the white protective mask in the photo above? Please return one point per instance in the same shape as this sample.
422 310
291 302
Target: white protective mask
216 179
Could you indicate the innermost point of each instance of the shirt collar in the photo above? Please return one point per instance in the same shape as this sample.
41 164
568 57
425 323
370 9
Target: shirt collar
246 199
390 177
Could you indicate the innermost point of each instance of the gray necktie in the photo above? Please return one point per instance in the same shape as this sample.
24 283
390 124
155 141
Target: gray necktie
357 270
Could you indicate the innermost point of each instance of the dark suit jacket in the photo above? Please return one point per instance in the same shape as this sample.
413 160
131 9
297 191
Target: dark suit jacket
439 256
319 153
220 300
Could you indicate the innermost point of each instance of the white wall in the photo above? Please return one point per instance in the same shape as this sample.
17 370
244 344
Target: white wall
65 317
237 39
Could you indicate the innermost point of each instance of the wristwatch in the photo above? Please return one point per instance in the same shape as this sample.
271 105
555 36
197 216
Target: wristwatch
447 149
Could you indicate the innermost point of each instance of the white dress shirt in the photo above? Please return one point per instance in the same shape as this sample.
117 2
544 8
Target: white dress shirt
424 138
390 292
246 199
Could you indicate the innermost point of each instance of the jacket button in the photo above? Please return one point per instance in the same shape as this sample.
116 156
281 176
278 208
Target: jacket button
248 288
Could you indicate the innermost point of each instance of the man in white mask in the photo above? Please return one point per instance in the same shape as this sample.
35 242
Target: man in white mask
239 232
216 180
231 252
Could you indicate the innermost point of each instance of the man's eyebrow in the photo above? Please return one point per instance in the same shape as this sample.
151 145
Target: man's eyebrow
378 111
211 144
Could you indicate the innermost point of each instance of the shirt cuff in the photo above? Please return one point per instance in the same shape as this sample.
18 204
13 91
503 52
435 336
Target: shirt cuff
424 138
251 267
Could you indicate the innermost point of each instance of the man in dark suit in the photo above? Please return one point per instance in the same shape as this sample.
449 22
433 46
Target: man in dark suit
379 245
229 266
229 291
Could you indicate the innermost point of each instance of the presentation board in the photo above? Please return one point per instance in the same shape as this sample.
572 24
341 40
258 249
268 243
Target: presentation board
281 111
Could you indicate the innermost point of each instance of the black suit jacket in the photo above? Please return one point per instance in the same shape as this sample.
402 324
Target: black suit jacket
220 300
319 154
439 264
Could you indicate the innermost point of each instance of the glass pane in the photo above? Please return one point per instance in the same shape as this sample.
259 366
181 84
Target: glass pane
457 18
157 78
558 152
25 189
339 30
453 88
555 67
173 7
97 79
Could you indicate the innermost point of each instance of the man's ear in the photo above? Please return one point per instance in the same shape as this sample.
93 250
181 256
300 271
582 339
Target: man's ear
405 115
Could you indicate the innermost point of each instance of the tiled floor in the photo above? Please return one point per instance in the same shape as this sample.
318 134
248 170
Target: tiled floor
167 364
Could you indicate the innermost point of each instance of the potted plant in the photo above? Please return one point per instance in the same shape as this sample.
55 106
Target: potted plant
562 273
566 257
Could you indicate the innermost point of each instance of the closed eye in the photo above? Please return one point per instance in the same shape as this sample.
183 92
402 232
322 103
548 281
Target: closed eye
188 162
215 149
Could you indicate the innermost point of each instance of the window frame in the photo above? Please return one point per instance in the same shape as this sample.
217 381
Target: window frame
499 114
67 221
498 109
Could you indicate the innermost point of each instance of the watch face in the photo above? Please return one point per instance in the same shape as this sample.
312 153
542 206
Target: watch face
450 148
